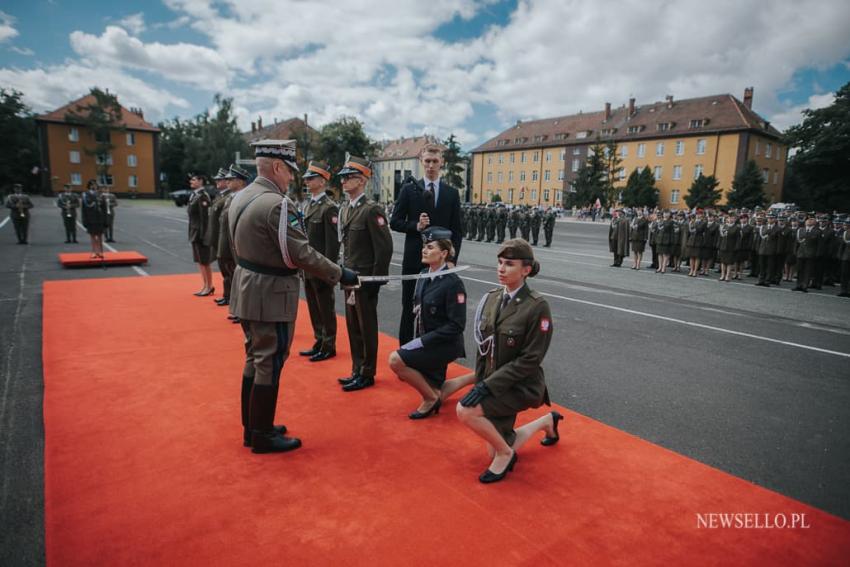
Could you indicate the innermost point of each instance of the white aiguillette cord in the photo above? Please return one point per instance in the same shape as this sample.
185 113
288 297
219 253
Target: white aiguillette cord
402 277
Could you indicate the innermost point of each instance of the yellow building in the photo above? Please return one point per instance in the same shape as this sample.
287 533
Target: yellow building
535 162
66 158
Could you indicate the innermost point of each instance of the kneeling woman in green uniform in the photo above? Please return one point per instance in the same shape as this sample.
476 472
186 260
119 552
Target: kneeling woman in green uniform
440 318
513 329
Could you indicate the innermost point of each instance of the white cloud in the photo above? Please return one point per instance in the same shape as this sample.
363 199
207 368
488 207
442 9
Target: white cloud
49 88
794 114
181 62
22 50
134 23
7 28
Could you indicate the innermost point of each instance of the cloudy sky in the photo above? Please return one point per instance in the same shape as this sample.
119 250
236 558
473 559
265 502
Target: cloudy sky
408 67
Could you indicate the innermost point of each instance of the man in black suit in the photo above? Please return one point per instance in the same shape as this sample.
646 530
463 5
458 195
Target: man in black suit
420 204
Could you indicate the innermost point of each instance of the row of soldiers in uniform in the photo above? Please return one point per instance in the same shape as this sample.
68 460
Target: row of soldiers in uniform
98 205
774 247
489 222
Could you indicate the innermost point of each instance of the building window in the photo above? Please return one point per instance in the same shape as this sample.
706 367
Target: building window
546 195
131 141
489 160
512 158
104 180
76 179
576 164
659 149
133 181
534 194
560 175
563 155
132 161
558 197
775 177
680 148
768 150
778 153
510 176
547 175
697 170
657 172
522 176
674 196
635 129
489 177
765 175
621 173
103 137
74 134
677 172
624 151
758 148
510 195
548 156
534 175
700 147
501 158
576 151
103 159
74 156
641 150
522 157
500 177
663 126
536 157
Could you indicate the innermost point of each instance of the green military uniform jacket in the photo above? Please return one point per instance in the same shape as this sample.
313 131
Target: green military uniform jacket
522 331
214 225
365 236
259 239
767 237
19 206
69 203
110 201
321 220
198 210
808 242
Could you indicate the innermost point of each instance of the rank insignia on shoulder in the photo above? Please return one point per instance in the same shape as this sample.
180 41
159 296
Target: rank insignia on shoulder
381 220
461 298
544 325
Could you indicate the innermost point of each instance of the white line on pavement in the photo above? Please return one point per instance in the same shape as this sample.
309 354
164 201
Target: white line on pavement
3 223
680 321
106 245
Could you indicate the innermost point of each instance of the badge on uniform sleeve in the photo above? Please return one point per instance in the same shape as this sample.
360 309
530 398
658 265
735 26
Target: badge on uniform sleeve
544 325
334 219
511 342
381 221
461 298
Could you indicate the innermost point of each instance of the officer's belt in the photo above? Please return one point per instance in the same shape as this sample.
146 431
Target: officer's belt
266 270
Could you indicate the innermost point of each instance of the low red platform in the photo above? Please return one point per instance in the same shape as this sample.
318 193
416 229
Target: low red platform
84 259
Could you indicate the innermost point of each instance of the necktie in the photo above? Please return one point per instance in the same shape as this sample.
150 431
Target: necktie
429 198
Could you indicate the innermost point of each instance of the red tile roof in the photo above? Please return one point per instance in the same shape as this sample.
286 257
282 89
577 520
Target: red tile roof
721 113
285 130
129 119
404 148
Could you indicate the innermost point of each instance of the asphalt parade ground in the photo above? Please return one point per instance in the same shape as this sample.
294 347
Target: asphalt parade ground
748 380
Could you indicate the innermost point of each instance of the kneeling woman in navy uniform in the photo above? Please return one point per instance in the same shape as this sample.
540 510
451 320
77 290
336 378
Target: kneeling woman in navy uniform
513 329
440 310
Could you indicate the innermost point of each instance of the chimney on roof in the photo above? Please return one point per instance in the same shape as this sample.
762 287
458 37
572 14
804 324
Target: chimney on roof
607 112
253 127
669 99
259 122
748 97
305 119
631 106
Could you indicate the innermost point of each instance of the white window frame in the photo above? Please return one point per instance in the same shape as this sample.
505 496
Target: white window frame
674 196
548 156
658 172
546 194
74 134
680 148
576 151
698 170
76 179
576 164
132 160
624 151
534 175
500 177
677 172
768 150
641 150
74 156
547 175
522 175
534 194
107 180
133 181
131 138
560 175
701 146
659 148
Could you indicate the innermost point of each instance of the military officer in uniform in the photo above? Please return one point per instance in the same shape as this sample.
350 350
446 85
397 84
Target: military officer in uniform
513 222
491 224
236 178
767 237
94 218
321 220
440 306
270 247
501 223
536 219
513 329
549 226
471 223
214 225
525 224
638 235
367 249
746 244
843 235
198 210
808 241
68 202
19 205
618 238
483 222
110 201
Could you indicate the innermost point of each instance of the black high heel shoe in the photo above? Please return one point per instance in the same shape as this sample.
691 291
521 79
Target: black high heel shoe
210 291
435 409
547 441
489 476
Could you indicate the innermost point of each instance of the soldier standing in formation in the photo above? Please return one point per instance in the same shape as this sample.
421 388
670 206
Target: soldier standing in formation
367 249
767 237
790 260
665 238
696 236
808 240
198 210
535 225
513 222
491 224
214 226
270 248
549 226
728 243
844 256
94 218
19 205
110 201
638 234
321 221
237 180
68 202
618 238
483 222
471 223
525 225
746 244
501 224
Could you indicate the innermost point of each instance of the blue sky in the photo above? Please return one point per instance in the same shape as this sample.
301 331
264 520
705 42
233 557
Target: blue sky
404 67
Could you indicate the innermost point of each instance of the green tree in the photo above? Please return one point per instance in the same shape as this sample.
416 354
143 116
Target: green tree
612 162
101 117
648 196
453 167
341 137
703 192
591 180
18 144
633 189
822 162
747 187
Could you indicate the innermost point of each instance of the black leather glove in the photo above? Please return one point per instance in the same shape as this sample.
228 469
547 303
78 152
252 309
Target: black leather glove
348 277
475 395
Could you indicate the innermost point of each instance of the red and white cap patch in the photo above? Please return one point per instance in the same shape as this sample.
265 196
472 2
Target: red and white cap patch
544 325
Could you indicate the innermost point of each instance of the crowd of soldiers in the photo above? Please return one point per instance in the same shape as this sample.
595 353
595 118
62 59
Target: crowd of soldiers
769 245
490 222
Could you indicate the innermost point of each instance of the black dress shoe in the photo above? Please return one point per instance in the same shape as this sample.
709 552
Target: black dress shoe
360 383
348 379
547 441
272 442
798 288
246 434
222 302
435 409
312 352
489 476
320 356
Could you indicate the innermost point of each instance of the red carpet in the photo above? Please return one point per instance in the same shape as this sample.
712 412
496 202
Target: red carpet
84 259
144 463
